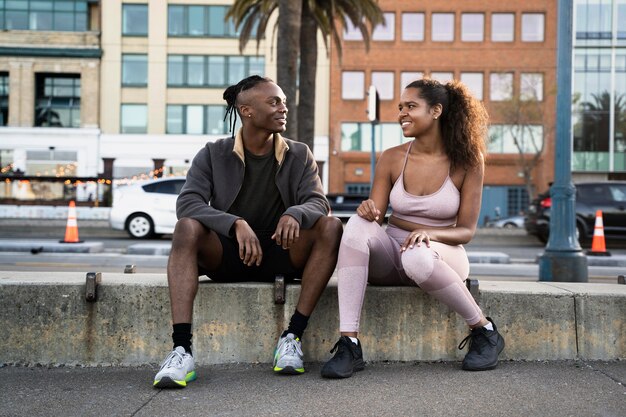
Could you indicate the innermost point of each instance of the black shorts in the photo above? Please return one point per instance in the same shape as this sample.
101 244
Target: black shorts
232 269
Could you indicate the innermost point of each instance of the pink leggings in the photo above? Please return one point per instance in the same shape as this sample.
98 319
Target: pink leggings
370 254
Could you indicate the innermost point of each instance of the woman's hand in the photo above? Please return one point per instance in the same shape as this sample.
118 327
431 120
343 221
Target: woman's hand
367 210
416 236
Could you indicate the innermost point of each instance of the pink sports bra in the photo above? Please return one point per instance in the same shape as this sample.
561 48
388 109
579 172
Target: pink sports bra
439 209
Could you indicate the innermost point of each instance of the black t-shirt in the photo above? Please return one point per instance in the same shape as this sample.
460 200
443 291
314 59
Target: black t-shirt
259 201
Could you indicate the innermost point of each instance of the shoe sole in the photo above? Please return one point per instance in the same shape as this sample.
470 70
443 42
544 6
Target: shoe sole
289 370
356 367
167 382
487 368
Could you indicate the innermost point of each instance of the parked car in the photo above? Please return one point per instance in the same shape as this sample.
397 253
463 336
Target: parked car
345 205
608 196
146 209
512 222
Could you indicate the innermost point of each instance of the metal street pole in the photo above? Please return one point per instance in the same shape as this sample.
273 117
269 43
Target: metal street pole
373 115
563 259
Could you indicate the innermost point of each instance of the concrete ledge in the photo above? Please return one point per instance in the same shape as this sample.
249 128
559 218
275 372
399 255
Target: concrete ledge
47 321
7 245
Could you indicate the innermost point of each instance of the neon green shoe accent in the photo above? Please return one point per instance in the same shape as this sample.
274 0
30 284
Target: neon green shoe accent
191 376
289 370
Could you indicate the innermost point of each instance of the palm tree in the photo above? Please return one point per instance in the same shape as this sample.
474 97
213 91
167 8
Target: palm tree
315 15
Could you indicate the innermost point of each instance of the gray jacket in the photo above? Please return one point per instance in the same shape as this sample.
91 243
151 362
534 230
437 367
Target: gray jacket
216 176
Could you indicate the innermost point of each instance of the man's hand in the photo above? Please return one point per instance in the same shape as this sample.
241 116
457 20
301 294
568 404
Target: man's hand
287 231
250 251
367 210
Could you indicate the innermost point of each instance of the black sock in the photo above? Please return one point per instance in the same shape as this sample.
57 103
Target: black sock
182 336
297 324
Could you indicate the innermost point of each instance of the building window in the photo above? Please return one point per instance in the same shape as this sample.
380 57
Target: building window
57 100
407 78
531 86
4 99
135 19
351 32
593 19
413 27
513 138
473 81
472 27
358 136
501 86
383 81
442 77
50 15
134 118
442 27
134 70
353 85
6 161
532 27
621 17
196 119
51 162
211 71
502 27
195 71
200 21
385 31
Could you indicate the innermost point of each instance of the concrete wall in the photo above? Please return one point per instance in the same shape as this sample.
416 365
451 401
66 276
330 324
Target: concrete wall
47 320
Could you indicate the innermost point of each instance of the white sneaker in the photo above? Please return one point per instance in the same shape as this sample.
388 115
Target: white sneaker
288 355
176 370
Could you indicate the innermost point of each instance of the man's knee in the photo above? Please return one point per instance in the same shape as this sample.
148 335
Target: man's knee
188 231
329 227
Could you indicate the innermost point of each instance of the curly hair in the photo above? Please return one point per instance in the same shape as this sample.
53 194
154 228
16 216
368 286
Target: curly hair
231 93
464 120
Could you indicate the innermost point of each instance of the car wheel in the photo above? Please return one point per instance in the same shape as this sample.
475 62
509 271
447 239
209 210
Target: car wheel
140 226
580 234
510 226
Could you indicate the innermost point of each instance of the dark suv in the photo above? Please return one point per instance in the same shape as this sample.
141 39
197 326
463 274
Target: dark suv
608 196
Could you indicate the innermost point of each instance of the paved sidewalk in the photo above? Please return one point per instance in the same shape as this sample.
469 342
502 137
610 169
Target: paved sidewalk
529 389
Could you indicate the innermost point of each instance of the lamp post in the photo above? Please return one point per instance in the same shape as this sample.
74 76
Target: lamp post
563 259
373 110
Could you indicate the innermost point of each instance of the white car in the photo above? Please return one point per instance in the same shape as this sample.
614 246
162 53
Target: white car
146 209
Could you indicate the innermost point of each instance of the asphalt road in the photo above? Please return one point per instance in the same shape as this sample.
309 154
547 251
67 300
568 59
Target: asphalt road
522 249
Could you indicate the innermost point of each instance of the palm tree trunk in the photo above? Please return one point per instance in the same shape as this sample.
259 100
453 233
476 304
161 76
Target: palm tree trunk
308 70
289 15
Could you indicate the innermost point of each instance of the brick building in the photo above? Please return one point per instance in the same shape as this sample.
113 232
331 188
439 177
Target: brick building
501 50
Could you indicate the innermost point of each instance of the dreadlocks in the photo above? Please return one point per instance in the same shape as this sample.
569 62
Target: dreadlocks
231 93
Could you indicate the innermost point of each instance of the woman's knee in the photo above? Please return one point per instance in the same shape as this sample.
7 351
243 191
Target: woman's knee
418 263
358 230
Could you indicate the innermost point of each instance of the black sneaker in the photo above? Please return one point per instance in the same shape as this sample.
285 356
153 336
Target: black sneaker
484 348
348 359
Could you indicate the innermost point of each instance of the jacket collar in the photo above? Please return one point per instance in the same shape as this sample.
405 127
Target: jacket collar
280 147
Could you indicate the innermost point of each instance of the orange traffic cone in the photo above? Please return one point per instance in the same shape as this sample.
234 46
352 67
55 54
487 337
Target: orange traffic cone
71 230
598 247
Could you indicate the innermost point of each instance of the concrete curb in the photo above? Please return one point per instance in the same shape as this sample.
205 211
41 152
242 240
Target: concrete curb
48 321
36 246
